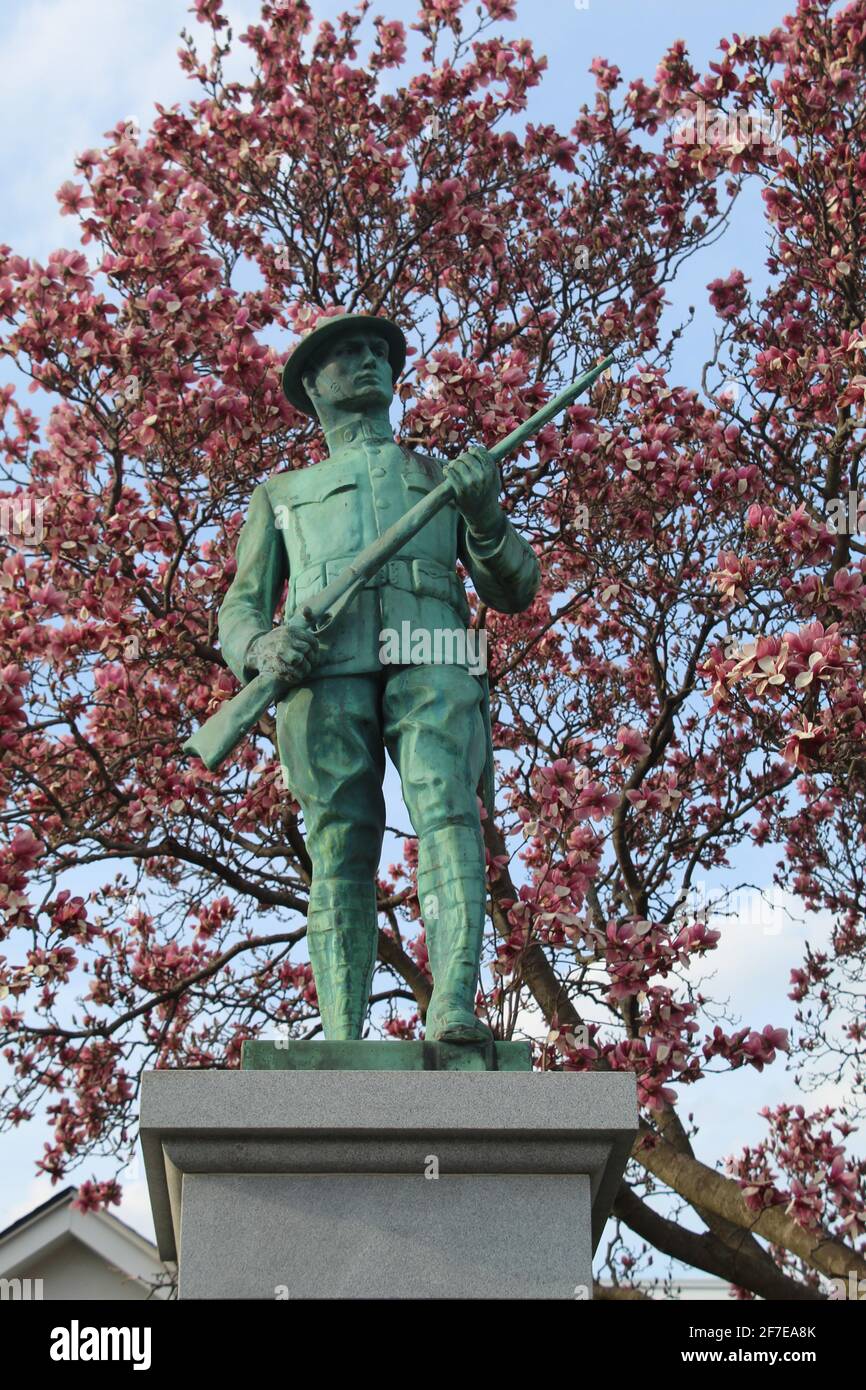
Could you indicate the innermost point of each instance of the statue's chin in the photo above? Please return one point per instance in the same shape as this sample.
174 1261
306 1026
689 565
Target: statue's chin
371 397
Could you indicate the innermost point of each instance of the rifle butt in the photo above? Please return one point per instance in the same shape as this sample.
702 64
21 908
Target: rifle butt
221 734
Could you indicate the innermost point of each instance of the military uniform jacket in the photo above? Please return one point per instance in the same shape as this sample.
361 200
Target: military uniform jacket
306 526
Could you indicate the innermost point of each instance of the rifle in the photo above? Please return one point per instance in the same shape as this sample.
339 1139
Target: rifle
224 730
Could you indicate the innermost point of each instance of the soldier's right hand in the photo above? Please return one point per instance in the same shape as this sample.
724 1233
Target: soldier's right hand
288 652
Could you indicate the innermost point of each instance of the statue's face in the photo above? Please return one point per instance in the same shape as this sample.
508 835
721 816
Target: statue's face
353 373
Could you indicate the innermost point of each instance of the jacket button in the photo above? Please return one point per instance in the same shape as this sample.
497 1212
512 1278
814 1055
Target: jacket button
377 472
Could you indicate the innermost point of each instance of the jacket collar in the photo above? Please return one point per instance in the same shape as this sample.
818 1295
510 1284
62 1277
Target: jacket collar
360 428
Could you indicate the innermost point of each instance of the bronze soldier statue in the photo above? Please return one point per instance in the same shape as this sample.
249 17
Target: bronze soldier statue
344 706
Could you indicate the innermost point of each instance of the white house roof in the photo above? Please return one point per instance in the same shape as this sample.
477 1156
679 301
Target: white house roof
90 1255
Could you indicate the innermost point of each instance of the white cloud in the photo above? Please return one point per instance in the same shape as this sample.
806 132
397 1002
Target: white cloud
69 71
37 1191
135 1209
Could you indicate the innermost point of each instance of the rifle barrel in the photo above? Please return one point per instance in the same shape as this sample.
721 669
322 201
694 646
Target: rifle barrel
547 412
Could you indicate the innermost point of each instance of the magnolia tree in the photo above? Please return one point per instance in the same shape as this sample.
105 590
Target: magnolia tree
689 679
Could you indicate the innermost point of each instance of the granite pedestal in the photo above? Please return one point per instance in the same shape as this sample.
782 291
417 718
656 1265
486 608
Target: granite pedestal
294 1181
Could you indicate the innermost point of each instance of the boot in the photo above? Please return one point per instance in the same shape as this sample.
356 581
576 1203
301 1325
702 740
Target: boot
451 891
342 939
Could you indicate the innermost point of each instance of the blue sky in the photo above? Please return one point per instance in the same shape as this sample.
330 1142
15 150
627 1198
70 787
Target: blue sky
72 68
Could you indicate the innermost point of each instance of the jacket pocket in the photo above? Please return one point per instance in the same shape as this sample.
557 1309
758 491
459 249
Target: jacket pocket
326 489
326 518
301 588
420 482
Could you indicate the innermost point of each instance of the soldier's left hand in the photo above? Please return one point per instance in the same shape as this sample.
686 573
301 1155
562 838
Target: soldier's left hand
477 485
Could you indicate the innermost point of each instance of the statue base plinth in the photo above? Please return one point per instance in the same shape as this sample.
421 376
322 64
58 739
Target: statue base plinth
287 1182
267 1055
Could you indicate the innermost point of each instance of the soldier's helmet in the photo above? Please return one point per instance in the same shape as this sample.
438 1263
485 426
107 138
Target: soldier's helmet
326 332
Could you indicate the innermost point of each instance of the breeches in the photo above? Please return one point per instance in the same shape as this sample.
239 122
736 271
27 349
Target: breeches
332 734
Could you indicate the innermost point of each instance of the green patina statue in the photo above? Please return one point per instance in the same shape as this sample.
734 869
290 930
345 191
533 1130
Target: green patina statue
345 701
